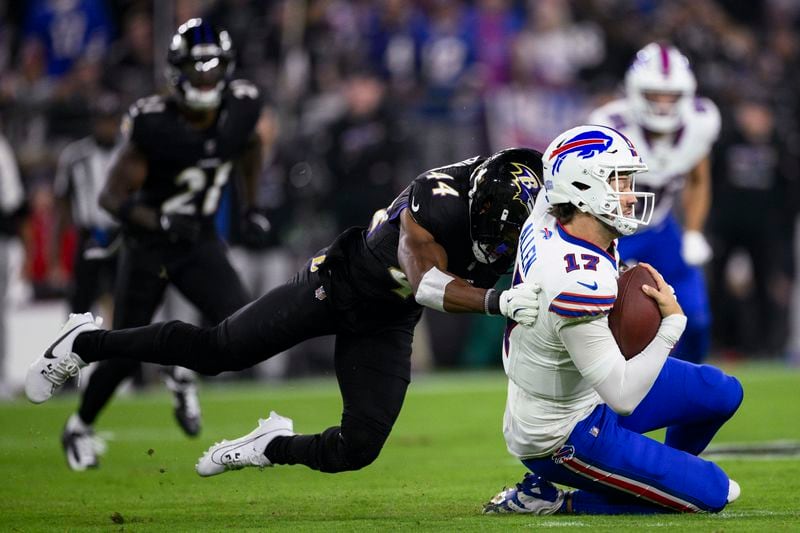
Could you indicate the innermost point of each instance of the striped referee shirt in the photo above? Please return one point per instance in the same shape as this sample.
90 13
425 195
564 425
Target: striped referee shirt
82 170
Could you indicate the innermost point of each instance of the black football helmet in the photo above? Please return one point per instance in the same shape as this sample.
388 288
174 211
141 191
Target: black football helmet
200 64
502 192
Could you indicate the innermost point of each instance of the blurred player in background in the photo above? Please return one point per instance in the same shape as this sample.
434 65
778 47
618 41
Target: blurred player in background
12 209
576 410
164 188
442 243
674 132
80 176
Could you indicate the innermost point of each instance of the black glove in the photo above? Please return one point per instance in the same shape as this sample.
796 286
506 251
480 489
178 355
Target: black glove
256 230
181 228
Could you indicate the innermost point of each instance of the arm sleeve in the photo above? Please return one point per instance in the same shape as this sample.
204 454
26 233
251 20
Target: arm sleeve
621 384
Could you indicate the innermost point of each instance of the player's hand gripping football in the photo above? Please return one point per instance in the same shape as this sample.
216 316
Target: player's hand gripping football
663 294
521 303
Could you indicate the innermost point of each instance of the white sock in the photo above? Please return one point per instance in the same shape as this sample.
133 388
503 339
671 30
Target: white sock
733 491
76 425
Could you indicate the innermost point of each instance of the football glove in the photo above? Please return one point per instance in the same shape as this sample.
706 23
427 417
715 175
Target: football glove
695 249
181 228
256 230
521 303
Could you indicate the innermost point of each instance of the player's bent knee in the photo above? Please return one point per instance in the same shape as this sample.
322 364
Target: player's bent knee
362 447
728 391
735 395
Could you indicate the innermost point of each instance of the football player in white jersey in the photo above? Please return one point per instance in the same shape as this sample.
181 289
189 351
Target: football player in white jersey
576 410
674 131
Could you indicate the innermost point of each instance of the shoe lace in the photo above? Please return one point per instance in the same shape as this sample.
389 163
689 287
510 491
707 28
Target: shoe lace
65 369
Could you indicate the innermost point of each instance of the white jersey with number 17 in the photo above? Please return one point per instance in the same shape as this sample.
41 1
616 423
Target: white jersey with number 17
547 395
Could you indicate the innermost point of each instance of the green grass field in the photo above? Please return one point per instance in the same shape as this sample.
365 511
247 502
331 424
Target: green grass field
445 458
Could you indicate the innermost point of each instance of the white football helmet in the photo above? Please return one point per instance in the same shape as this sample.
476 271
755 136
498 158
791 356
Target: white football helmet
660 69
579 168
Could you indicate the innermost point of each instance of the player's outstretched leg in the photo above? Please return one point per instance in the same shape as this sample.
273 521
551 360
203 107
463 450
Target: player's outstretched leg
245 451
183 385
535 495
58 363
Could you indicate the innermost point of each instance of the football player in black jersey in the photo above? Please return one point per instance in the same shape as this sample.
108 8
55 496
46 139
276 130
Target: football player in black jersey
443 243
164 188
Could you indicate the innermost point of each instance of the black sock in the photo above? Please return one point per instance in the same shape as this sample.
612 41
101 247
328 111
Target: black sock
322 451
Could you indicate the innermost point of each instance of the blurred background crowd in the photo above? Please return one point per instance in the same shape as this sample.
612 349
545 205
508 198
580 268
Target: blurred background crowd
363 95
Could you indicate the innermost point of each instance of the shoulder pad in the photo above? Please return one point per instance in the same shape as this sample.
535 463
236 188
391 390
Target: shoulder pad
434 200
614 114
583 296
147 105
707 118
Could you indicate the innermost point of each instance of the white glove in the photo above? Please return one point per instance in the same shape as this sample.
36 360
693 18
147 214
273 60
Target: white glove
695 248
521 303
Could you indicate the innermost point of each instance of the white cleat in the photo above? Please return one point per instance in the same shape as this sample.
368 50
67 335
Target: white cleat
58 363
245 451
181 382
81 446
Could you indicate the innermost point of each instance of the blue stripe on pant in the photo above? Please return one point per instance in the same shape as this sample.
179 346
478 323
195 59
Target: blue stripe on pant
619 470
661 247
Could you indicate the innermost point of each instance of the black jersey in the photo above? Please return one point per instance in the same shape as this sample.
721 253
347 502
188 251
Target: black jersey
438 201
187 167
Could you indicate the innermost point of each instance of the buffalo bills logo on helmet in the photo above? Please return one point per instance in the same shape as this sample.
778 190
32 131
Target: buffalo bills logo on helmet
631 147
585 145
527 183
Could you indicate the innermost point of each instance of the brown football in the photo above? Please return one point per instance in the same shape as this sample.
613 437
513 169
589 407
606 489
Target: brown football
635 318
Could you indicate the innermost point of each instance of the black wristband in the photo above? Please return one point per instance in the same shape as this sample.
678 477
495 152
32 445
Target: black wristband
491 302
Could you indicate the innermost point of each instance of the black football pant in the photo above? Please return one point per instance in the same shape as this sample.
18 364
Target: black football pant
201 272
91 277
372 359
